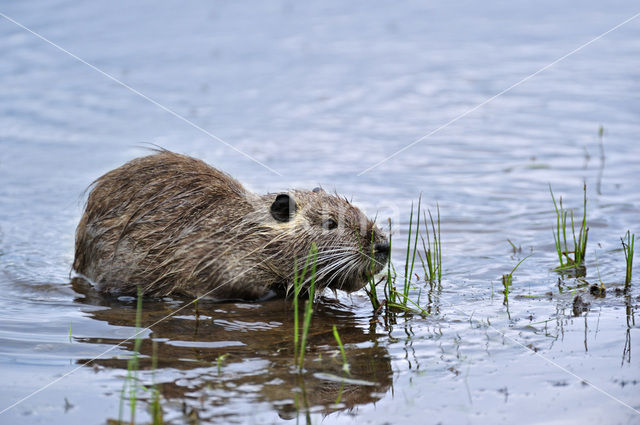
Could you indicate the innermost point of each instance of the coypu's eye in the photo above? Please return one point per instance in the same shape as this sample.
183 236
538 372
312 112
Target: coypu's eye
283 208
329 224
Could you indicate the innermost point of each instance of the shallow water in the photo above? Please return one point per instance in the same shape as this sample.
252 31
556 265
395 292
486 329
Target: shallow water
320 93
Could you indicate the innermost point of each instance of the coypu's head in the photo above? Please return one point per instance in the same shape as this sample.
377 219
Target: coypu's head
351 248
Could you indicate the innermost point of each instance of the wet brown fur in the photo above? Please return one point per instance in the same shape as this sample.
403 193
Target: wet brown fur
172 224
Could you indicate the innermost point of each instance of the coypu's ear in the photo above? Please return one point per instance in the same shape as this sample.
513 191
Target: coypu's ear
283 208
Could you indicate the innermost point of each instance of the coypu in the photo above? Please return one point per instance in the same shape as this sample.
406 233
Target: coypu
171 224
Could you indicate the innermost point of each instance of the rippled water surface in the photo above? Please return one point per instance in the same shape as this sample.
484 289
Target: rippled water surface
320 93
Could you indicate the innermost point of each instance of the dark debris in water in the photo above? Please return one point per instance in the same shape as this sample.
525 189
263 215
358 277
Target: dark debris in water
580 306
532 348
598 290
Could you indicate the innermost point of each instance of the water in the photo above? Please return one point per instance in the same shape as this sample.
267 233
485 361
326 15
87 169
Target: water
320 93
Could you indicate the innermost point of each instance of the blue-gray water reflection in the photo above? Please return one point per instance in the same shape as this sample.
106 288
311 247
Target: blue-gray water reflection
320 93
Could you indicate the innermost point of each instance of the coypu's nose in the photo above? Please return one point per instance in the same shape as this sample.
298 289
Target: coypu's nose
381 248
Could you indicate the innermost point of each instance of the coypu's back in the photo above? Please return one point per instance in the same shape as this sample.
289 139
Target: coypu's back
171 224
151 208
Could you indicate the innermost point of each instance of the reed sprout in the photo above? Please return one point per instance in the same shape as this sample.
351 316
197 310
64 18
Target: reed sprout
134 362
388 288
308 312
131 385
560 235
345 364
507 279
131 381
155 409
411 254
300 342
432 254
219 361
516 249
628 256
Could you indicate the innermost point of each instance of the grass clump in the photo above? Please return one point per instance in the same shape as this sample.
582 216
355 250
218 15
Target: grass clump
431 260
628 256
570 258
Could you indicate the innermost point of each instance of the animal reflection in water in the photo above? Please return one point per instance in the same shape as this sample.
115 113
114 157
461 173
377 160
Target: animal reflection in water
256 342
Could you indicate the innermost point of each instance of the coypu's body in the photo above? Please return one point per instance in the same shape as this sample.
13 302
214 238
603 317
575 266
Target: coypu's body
171 224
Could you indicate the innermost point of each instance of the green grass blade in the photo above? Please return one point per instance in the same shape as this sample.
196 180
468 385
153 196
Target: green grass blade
389 281
313 254
345 364
407 278
415 245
